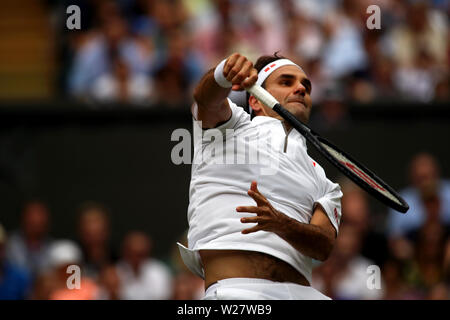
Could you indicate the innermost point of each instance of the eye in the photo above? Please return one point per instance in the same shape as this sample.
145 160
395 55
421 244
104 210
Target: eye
307 86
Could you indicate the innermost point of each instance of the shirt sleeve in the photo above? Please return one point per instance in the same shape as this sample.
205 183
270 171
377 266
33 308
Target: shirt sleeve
330 201
238 116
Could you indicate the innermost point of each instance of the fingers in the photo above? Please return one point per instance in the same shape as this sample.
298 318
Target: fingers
240 72
251 209
237 70
230 63
259 198
254 186
251 80
250 219
263 210
262 223
252 229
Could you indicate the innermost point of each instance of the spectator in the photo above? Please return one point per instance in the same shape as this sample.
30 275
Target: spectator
142 277
94 57
427 189
179 70
109 284
94 232
344 51
44 284
442 91
418 238
28 247
395 284
213 29
161 16
332 112
357 213
428 268
346 276
383 78
425 30
188 286
306 37
65 253
418 81
401 57
119 85
419 47
15 283
447 260
439 292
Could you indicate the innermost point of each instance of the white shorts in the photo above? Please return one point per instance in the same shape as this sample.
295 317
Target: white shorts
260 289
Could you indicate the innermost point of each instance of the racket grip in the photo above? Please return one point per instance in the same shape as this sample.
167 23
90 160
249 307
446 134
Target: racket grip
262 95
290 118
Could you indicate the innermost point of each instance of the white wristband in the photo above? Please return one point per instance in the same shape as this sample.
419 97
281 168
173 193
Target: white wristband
219 77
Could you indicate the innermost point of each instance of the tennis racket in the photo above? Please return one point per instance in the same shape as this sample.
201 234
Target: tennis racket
354 170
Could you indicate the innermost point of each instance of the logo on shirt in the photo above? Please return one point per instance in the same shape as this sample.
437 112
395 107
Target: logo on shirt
336 216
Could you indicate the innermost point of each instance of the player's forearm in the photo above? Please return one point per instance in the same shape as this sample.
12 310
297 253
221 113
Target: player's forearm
208 94
311 240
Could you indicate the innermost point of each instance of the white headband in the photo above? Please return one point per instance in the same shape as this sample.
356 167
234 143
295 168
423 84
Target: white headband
271 67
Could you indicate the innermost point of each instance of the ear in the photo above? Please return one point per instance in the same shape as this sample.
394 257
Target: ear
255 105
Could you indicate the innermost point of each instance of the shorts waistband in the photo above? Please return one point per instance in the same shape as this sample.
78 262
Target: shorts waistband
262 289
233 281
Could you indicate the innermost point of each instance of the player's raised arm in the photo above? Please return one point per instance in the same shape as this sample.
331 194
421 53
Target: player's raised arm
210 95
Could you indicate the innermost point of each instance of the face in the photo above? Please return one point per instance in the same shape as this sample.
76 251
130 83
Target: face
356 210
136 249
292 88
424 173
35 220
94 228
348 242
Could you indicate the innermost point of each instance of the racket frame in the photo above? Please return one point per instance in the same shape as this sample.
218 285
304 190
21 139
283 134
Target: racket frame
316 140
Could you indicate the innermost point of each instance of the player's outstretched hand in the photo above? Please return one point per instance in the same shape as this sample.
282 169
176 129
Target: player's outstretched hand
267 217
240 72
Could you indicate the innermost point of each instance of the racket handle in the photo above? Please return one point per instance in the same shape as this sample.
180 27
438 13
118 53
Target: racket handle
262 95
289 117
267 99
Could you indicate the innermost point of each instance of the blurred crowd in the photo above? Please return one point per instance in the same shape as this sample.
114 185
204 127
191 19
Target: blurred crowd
147 52
35 265
411 252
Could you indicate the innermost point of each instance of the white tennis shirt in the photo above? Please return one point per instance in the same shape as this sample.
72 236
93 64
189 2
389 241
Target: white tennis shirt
246 150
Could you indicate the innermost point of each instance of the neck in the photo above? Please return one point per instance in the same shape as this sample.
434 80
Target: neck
287 126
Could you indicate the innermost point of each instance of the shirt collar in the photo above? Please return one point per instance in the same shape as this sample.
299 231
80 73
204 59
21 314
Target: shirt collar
258 120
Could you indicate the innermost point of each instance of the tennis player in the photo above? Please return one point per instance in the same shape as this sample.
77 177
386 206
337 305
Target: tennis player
254 235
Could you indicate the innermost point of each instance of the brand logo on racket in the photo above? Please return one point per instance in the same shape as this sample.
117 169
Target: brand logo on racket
362 175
